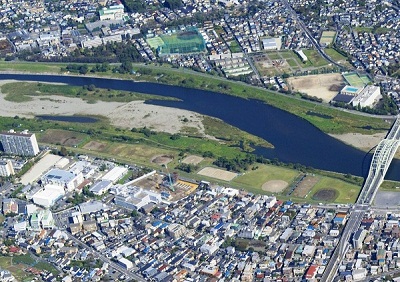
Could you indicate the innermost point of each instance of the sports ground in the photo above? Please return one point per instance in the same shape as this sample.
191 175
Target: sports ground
355 79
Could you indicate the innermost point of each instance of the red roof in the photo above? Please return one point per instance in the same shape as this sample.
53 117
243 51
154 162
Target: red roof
13 249
311 271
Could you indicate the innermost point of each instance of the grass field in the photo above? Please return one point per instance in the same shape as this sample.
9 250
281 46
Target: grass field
315 58
346 192
32 67
254 179
327 37
336 56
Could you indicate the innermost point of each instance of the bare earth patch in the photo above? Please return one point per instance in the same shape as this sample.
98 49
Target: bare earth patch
327 194
305 185
217 173
192 159
95 146
162 159
319 85
360 141
274 186
63 137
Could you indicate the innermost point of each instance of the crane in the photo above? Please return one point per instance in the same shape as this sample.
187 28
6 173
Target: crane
170 184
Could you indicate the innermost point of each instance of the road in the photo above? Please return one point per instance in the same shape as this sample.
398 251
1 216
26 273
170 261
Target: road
309 36
103 258
353 223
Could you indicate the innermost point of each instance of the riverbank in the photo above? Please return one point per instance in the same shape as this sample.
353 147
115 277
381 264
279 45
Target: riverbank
361 141
326 118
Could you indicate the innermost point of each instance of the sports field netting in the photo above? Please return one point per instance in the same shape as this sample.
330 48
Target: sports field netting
155 42
356 80
189 41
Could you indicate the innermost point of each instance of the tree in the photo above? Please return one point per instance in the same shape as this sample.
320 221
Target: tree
83 69
63 152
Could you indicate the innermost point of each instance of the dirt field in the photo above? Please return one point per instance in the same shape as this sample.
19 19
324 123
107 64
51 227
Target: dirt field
274 186
217 173
305 186
162 160
192 159
320 85
95 146
62 137
325 195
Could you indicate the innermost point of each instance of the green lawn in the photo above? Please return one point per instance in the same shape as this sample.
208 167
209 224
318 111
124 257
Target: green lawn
273 55
253 180
287 54
234 47
32 67
292 63
336 56
315 58
346 192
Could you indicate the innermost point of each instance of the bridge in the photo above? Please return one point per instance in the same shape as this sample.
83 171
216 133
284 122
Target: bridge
380 163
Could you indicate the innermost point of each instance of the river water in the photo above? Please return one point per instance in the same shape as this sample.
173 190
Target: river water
295 140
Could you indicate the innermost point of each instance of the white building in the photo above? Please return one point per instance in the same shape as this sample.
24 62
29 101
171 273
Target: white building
302 55
115 174
271 43
49 195
368 96
6 168
66 179
112 13
23 144
134 198
127 264
101 187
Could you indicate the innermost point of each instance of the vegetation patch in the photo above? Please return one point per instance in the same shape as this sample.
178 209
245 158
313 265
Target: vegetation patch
231 135
24 91
62 137
311 113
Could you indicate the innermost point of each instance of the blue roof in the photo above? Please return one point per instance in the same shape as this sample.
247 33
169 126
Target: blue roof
219 225
164 225
156 223
310 227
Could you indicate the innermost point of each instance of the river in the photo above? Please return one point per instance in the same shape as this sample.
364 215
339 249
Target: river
295 140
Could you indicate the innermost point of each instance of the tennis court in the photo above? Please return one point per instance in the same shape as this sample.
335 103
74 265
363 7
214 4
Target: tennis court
356 80
155 42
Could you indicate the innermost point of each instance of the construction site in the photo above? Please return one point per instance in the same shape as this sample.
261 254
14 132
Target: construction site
169 184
